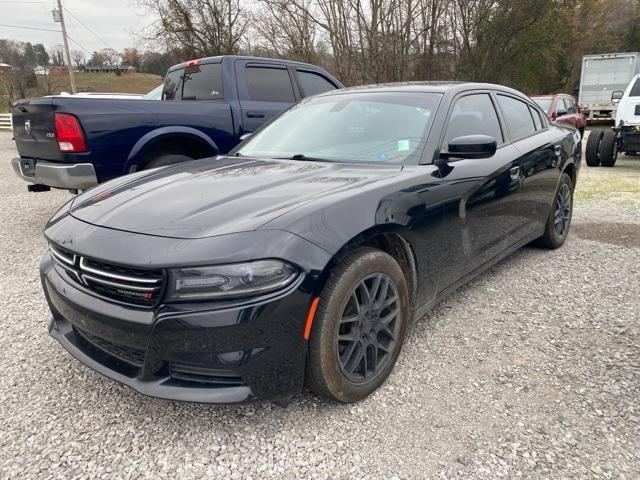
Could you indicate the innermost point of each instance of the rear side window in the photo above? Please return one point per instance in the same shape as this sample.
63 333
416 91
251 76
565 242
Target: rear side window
635 90
269 84
473 115
196 82
313 84
517 116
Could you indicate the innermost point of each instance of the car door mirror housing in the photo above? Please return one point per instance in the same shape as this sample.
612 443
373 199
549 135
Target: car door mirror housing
472 146
616 96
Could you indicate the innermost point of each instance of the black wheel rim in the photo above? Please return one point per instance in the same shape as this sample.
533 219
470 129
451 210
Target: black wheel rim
562 214
368 328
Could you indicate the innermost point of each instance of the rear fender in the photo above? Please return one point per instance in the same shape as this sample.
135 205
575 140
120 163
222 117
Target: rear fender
148 140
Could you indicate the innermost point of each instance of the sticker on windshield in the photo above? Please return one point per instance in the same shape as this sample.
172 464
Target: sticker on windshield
403 145
383 156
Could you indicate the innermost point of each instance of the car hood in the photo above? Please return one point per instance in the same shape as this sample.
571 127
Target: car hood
217 196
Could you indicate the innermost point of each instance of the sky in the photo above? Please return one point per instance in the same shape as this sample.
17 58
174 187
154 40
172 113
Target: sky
114 23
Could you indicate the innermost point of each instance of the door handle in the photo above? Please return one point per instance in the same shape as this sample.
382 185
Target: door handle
255 115
557 150
514 172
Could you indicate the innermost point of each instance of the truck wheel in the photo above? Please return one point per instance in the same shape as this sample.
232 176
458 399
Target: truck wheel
593 148
608 153
163 160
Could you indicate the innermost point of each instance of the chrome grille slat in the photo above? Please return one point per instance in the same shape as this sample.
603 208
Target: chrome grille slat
133 285
118 285
125 278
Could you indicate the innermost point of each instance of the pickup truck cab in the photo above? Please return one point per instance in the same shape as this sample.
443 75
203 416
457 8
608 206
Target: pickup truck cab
74 143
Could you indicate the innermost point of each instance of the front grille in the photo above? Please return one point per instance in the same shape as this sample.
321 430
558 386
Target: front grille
132 356
131 285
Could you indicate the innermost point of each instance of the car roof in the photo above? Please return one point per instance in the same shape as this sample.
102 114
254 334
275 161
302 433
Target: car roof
451 87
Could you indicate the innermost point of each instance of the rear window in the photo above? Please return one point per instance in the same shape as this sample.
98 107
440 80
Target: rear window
635 90
269 84
197 82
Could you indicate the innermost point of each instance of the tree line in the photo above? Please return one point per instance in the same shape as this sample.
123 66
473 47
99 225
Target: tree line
533 45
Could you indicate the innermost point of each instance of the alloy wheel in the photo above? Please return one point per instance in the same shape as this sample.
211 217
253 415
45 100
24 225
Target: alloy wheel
368 328
562 214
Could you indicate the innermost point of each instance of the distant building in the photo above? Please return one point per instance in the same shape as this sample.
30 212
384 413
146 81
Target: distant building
109 69
53 70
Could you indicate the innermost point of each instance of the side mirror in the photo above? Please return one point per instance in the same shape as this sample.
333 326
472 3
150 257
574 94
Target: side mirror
245 136
472 146
616 96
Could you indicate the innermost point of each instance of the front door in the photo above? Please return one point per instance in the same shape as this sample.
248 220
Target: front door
483 214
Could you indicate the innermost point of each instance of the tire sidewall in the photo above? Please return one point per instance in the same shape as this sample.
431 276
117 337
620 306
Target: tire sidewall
165 160
323 342
554 238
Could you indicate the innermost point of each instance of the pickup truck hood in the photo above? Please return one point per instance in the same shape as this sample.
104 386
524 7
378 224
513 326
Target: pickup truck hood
217 196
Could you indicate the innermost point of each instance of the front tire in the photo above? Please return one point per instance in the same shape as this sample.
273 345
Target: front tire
559 221
608 148
592 151
359 326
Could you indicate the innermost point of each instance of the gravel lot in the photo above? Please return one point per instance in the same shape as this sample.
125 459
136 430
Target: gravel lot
531 371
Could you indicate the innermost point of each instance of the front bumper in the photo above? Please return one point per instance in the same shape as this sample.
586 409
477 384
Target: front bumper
184 352
76 176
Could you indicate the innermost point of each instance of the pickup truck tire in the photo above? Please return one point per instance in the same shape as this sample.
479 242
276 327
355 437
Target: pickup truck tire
592 151
164 160
608 153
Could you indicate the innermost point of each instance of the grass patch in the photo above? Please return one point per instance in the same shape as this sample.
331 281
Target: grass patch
621 182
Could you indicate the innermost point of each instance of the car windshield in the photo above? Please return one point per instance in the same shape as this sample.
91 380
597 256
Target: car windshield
349 127
544 103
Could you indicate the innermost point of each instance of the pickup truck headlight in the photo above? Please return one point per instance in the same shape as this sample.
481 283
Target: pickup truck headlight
223 282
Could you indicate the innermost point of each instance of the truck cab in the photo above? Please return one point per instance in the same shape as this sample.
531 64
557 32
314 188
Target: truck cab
207 105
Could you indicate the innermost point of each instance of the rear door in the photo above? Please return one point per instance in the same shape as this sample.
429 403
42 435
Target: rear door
541 150
265 89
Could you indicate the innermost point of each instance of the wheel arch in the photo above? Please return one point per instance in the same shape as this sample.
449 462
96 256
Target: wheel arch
183 139
390 239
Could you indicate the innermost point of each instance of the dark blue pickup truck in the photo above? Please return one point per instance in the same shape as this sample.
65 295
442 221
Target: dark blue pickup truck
208 104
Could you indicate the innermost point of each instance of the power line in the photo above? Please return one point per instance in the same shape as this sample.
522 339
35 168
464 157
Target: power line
30 28
85 26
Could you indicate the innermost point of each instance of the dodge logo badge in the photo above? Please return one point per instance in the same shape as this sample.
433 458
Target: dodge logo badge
27 126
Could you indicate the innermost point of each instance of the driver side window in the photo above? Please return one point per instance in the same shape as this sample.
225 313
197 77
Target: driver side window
473 115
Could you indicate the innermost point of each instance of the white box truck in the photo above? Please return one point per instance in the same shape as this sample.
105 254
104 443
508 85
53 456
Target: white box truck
602 75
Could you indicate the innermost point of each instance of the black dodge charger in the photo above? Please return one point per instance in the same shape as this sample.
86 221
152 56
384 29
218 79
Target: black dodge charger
302 257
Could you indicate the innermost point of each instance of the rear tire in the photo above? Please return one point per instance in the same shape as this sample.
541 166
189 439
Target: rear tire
559 220
359 326
608 148
592 151
164 160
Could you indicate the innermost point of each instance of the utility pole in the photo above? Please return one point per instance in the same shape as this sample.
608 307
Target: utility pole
72 78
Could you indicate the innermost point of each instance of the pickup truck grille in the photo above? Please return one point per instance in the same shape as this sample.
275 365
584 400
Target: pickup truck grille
125 284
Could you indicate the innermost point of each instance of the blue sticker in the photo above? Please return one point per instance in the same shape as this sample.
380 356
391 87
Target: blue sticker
383 156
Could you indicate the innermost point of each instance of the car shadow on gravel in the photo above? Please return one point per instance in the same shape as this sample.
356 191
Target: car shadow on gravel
620 234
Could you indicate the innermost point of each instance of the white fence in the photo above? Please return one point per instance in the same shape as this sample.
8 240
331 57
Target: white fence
5 121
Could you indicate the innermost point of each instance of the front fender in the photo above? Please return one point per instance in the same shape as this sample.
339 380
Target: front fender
163 133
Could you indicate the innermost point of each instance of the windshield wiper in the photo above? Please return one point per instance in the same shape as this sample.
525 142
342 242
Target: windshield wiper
302 156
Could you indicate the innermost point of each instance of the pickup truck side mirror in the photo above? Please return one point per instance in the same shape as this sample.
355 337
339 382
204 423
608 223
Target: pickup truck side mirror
471 146
616 96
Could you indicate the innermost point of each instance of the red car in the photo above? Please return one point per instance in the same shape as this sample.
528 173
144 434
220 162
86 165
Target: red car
562 108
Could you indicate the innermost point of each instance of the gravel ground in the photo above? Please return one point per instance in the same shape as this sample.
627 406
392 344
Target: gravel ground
531 371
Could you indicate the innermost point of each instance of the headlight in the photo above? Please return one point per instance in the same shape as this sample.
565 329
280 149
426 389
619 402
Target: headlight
230 281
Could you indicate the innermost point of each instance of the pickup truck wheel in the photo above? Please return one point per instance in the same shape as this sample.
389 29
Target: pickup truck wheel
164 160
593 148
608 149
